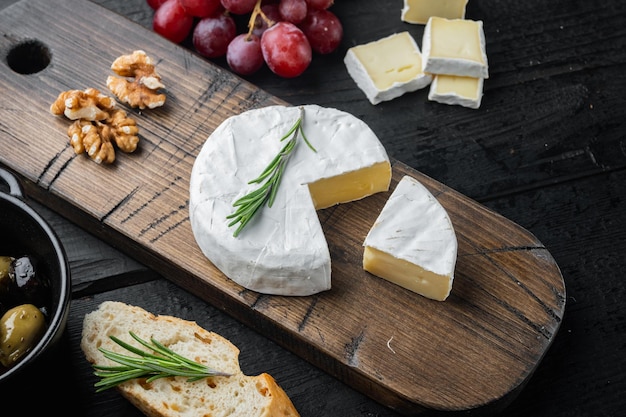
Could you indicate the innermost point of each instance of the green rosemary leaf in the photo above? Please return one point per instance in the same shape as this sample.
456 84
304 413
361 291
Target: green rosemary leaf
253 196
269 169
278 174
111 380
248 205
307 141
158 362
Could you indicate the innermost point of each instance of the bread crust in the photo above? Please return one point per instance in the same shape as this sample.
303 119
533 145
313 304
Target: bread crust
234 395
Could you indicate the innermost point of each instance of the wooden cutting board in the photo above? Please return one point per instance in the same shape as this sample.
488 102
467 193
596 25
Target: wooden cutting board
407 352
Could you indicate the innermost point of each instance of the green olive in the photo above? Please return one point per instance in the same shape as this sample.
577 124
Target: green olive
20 329
5 274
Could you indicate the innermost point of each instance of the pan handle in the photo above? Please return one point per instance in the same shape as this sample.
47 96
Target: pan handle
15 188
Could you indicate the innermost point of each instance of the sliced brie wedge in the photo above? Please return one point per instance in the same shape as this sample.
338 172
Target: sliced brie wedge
462 91
455 47
282 250
412 243
387 68
419 11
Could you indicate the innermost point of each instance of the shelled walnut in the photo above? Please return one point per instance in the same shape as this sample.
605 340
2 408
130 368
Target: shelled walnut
96 138
89 104
124 129
142 91
90 136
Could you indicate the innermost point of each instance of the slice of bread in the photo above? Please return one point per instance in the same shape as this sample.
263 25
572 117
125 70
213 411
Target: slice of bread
235 395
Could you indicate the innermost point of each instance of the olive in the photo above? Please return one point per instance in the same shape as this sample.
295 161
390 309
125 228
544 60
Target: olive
5 277
20 329
6 284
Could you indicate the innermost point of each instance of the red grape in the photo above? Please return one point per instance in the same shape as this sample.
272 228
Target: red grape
323 30
286 49
171 21
239 6
293 11
244 54
201 8
283 33
319 4
155 4
212 35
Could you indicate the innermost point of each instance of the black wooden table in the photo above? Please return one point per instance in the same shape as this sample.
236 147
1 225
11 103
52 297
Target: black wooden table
546 149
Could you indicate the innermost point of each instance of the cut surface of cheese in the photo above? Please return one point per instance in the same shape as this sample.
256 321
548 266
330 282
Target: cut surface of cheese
387 68
455 47
451 89
413 243
419 11
282 250
351 186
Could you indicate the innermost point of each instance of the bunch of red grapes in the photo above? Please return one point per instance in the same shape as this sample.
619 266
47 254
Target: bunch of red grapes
283 34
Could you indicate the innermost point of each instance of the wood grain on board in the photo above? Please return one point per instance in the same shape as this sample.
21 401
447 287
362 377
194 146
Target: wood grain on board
408 352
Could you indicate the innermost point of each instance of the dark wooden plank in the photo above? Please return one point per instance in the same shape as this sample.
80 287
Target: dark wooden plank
508 299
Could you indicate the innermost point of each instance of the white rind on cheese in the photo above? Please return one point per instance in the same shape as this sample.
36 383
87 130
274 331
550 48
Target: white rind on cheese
419 11
454 90
413 243
282 250
387 68
455 47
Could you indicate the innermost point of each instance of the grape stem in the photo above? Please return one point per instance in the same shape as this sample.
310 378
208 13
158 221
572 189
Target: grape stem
257 12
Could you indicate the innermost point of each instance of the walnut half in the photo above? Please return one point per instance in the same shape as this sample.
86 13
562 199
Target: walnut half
124 130
89 104
96 137
141 91
88 136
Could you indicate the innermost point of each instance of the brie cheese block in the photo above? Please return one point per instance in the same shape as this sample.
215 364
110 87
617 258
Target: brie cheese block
387 68
413 243
282 250
454 90
455 47
419 11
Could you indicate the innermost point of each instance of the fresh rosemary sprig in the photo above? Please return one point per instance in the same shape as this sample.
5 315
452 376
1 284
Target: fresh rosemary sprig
248 205
161 364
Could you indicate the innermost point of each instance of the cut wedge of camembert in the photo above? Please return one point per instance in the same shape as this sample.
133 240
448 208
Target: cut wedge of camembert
412 243
451 89
419 11
282 250
387 68
455 47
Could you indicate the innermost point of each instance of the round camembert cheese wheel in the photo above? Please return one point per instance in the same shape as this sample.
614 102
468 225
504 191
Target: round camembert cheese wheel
282 250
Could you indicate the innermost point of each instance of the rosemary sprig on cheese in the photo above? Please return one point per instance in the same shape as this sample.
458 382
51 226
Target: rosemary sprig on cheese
248 205
161 364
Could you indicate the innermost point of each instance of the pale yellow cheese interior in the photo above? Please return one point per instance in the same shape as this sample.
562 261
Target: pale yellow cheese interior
419 11
407 275
394 59
350 186
467 87
456 38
